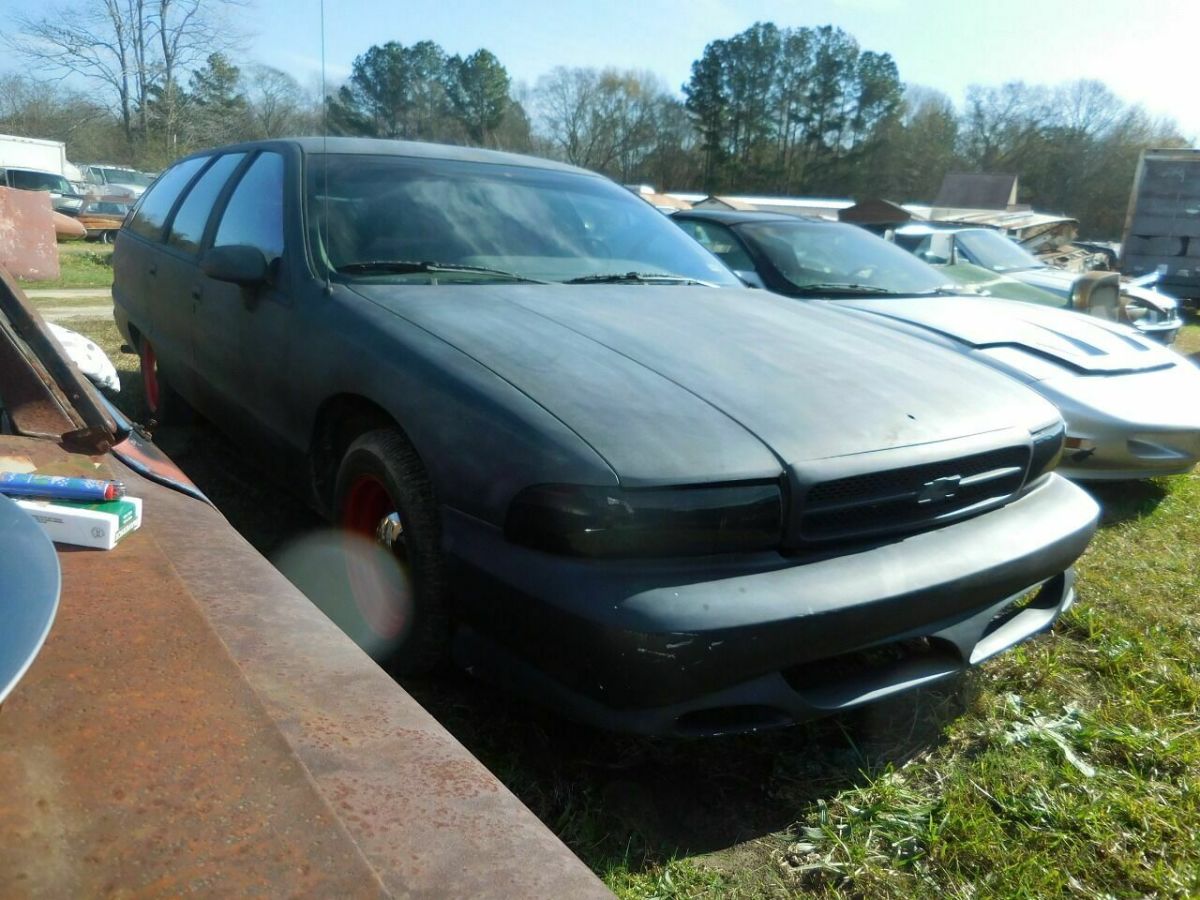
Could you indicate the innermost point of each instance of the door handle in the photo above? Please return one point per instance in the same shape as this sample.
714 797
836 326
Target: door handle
153 270
196 292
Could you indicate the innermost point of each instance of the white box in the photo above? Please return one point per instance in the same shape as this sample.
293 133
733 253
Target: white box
98 525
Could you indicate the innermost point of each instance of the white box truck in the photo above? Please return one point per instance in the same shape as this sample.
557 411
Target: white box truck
33 153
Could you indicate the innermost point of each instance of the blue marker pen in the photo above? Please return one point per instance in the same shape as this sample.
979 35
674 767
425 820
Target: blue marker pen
59 487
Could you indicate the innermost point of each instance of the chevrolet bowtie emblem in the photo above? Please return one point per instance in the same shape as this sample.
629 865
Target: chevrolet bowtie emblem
939 490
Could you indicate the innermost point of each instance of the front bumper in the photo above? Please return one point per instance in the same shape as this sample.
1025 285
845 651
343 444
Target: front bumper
712 645
1136 425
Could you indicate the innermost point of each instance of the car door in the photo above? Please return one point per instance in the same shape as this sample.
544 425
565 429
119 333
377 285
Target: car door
241 337
178 266
146 283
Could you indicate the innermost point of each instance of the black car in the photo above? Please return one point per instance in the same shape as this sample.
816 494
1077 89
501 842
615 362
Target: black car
611 477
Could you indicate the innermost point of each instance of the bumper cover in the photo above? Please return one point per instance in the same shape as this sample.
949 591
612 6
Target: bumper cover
707 645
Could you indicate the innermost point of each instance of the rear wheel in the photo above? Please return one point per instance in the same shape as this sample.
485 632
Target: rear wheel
398 610
162 404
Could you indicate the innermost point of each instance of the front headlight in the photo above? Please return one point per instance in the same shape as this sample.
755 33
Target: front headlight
1047 451
583 520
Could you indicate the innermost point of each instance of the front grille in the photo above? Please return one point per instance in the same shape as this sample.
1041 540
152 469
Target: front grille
908 499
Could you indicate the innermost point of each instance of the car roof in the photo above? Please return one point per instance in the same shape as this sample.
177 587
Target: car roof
731 217
421 149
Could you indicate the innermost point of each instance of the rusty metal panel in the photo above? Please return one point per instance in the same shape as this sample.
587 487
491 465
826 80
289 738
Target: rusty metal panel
28 247
976 190
49 390
194 724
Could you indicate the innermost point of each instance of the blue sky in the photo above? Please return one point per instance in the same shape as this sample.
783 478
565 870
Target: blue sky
1144 51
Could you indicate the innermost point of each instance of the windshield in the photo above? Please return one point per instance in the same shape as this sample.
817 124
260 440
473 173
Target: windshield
39 181
824 255
519 222
994 251
125 176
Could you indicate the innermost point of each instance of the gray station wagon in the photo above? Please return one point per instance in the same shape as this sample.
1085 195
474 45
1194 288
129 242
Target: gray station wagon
587 463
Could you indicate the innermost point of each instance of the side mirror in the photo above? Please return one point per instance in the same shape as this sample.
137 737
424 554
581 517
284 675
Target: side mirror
240 264
750 278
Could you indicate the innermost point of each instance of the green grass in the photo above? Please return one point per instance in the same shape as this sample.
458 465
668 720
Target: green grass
1069 767
83 265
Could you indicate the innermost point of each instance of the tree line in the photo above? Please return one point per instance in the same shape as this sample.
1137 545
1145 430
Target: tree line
794 111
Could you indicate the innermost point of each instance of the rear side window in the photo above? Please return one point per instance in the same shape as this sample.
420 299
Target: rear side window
187 230
254 215
156 203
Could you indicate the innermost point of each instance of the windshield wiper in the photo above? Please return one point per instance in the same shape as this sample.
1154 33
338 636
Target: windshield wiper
404 267
836 287
635 278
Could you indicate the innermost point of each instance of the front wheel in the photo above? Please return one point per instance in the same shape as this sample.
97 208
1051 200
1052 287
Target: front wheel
398 611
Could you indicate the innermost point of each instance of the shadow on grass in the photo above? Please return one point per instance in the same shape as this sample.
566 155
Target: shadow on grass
628 802
1122 501
619 802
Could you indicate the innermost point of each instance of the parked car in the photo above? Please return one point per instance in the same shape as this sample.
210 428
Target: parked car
591 453
1102 294
102 219
115 181
63 196
192 718
1122 395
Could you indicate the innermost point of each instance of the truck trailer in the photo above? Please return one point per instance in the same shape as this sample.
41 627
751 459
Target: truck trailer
1162 225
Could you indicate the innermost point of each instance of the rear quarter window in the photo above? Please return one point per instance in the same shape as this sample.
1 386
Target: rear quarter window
151 214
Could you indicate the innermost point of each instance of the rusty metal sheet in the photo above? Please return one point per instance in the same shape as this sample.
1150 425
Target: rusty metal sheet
28 248
41 384
66 227
194 724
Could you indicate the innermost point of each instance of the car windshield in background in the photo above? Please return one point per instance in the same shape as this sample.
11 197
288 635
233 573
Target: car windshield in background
126 176
826 258
417 220
994 251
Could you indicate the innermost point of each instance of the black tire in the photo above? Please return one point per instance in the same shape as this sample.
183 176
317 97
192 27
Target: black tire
107 237
161 404
381 474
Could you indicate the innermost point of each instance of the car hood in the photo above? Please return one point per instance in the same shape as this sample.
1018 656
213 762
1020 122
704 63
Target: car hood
1080 342
1057 281
650 376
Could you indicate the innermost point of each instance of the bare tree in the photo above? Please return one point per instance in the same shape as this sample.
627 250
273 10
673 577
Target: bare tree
133 51
279 107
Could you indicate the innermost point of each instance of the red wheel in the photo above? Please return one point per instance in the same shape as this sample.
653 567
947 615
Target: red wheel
369 510
163 405
394 564
150 383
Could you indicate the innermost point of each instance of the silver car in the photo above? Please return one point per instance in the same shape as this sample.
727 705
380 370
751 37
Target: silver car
1129 403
